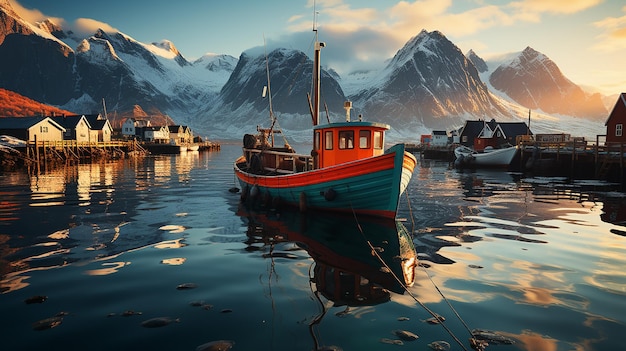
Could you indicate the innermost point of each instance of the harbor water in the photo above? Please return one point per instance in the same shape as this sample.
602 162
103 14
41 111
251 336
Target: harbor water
157 253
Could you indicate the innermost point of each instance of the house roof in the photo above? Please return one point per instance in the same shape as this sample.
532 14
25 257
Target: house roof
514 128
440 132
473 128
25 122
69 122
154 128
99 124
620 100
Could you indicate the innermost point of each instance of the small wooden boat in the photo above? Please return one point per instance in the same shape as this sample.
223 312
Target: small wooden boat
348 169
466 157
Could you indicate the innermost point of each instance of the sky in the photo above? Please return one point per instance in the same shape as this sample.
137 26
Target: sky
585 38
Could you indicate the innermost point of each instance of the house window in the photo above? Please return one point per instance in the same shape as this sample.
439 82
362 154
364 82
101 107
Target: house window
364 139
618 130
346 139
464 139
43 129
328 140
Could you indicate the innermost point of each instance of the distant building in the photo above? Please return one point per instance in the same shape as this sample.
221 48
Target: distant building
180 135
131 127
439 138
101 128
480 134
76 127
617 120
156 134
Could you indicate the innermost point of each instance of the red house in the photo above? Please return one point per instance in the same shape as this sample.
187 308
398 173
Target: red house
615 132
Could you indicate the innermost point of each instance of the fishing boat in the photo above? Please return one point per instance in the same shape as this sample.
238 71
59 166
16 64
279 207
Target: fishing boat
495 158
348 169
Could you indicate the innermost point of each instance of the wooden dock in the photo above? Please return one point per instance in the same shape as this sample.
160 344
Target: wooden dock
576 160
35 153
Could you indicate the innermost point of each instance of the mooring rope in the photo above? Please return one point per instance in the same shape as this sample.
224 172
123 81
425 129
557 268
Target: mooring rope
402 283
428 275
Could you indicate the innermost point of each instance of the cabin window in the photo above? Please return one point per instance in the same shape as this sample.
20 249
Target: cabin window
346 139
316 141
364 139
618 130
328 140
378 140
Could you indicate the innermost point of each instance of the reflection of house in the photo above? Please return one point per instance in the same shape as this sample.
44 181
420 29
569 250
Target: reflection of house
32 128
156 134
480 134
180 135
617 120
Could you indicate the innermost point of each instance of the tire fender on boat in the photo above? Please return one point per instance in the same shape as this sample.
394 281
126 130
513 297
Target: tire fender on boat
329 194
302 202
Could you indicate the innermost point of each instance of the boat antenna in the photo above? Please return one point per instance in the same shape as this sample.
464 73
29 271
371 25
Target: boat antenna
316 72
267 89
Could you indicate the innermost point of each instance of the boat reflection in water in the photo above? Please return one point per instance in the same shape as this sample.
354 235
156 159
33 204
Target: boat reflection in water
357 263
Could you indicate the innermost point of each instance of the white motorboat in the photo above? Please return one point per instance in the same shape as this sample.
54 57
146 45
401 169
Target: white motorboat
490 157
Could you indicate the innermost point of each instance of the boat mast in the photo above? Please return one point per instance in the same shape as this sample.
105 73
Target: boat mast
316 74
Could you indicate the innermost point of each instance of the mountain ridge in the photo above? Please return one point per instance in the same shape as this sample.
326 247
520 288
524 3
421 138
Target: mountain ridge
429 83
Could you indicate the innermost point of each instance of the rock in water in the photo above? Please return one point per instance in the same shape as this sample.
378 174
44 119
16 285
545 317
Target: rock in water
405 335
439 346
48 323
158 322
36 299
187 286
218 345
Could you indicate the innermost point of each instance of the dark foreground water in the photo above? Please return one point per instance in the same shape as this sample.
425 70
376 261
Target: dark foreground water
90 255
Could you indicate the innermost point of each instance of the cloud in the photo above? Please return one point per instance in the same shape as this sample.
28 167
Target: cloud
88 26
82 26
33 15
613 36
537 7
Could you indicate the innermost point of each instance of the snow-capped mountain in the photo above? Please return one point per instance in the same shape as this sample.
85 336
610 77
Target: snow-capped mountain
428 84
77 75
241 103
534 81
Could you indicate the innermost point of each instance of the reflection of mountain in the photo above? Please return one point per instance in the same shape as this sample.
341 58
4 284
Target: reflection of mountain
348 271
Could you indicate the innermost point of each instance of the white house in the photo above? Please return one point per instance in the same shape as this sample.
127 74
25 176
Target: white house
157 134
31 128
439 138
130 126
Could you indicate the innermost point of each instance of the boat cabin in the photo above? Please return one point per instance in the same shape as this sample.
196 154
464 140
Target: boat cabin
337 143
